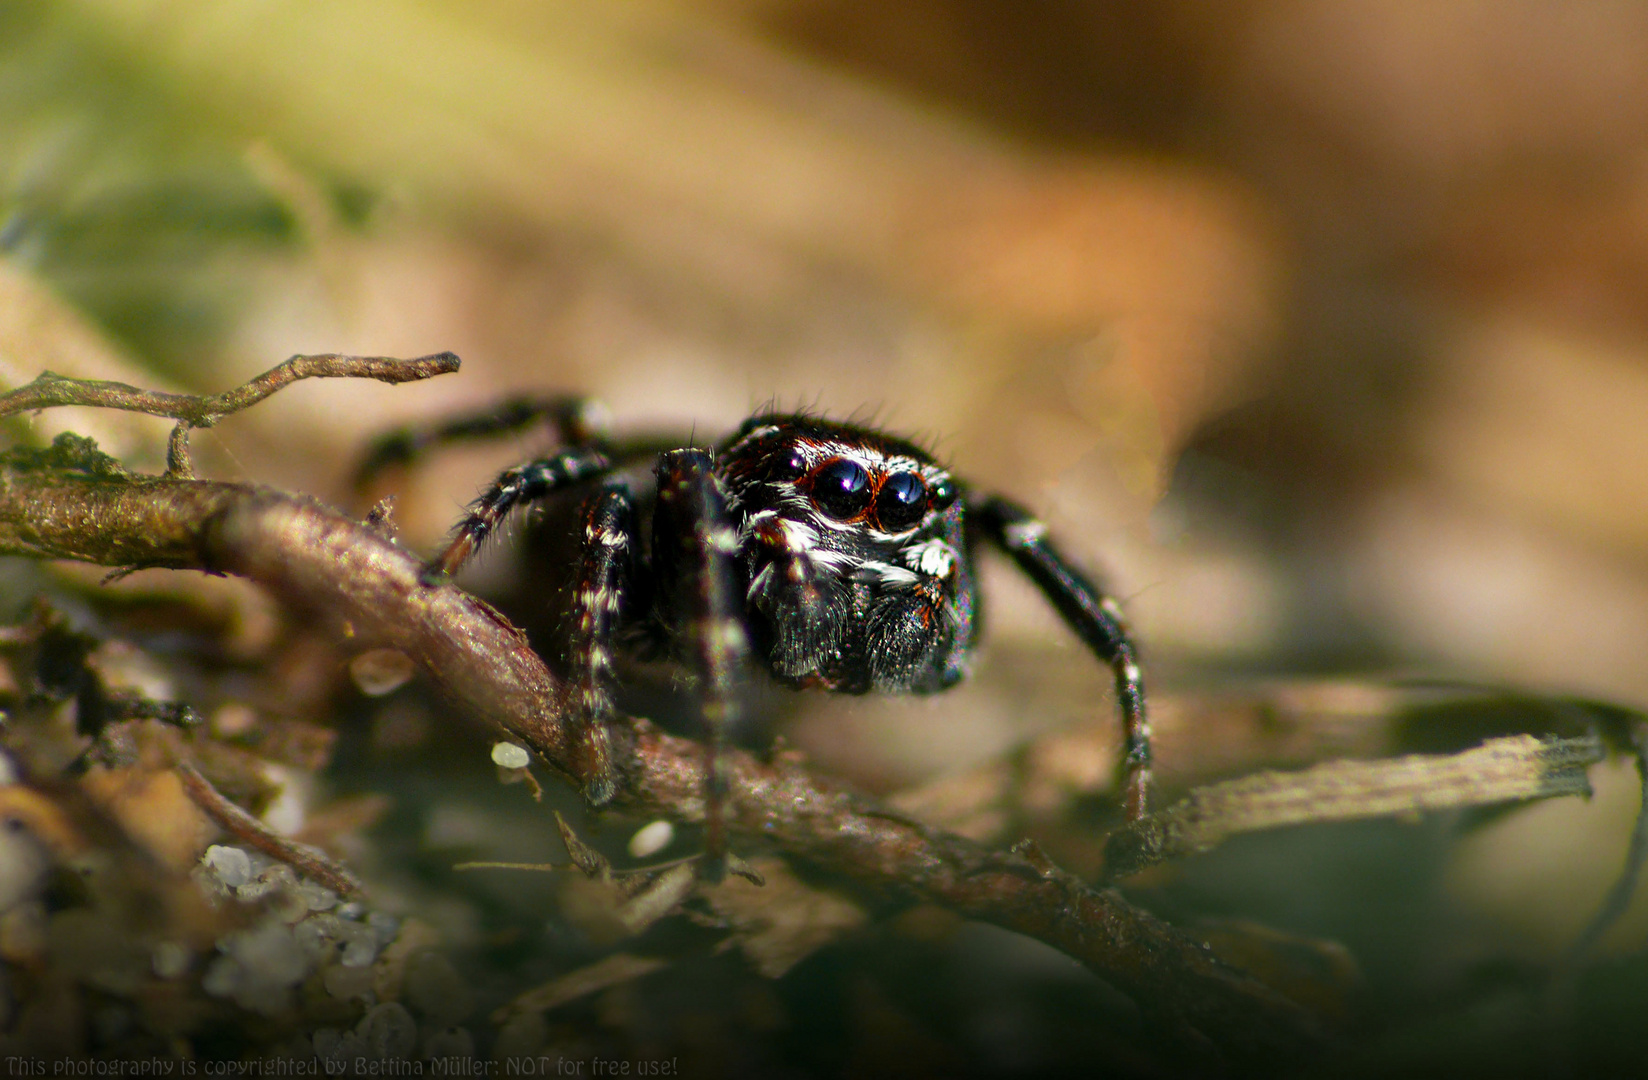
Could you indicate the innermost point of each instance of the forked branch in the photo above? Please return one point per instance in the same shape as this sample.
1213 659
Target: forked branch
200 411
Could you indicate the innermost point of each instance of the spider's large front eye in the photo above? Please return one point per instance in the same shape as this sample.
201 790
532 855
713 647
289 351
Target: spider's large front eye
841 488
902 502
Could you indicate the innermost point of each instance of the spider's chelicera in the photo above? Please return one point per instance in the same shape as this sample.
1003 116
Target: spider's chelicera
837 556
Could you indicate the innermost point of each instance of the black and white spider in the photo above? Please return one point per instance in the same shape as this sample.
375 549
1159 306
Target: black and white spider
837 556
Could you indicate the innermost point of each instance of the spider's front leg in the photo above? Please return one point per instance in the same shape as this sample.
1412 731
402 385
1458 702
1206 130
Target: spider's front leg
694 550
520 486
602 581
1096 619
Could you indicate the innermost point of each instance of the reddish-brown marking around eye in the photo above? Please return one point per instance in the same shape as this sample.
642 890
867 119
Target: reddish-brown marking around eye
873 485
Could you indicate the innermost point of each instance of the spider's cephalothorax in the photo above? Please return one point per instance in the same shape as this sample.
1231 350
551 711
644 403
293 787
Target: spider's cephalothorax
856 569
838 556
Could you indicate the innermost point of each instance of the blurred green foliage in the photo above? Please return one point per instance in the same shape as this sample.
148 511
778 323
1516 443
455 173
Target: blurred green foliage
127 202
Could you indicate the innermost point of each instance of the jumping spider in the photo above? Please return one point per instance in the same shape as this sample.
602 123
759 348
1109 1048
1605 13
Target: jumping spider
840 557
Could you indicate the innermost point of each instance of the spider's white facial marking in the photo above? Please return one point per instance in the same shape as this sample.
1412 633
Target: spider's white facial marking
933 558
802 559
886 575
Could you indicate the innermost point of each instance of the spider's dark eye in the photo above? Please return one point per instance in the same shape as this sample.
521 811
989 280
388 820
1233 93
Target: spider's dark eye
902 502
841 489
789 466
943 494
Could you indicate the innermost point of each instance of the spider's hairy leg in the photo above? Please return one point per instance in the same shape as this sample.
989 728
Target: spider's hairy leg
694 553
519 486
574 419
598 594
1096 619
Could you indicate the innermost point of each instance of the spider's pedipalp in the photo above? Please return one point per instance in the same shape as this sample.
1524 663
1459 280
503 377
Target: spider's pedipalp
599 590
695 564
806 607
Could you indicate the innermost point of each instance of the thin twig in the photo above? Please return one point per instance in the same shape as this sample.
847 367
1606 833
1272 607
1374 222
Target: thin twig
205 410
306 860
1500 770
607 971
535 867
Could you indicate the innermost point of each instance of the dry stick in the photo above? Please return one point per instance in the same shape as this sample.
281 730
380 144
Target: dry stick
199 411
1518 767
192 411
319 560
244 827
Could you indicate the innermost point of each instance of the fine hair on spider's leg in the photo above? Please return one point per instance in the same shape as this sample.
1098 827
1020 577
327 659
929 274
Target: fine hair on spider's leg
519 486
598 594
694 550
575 420
1096 619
